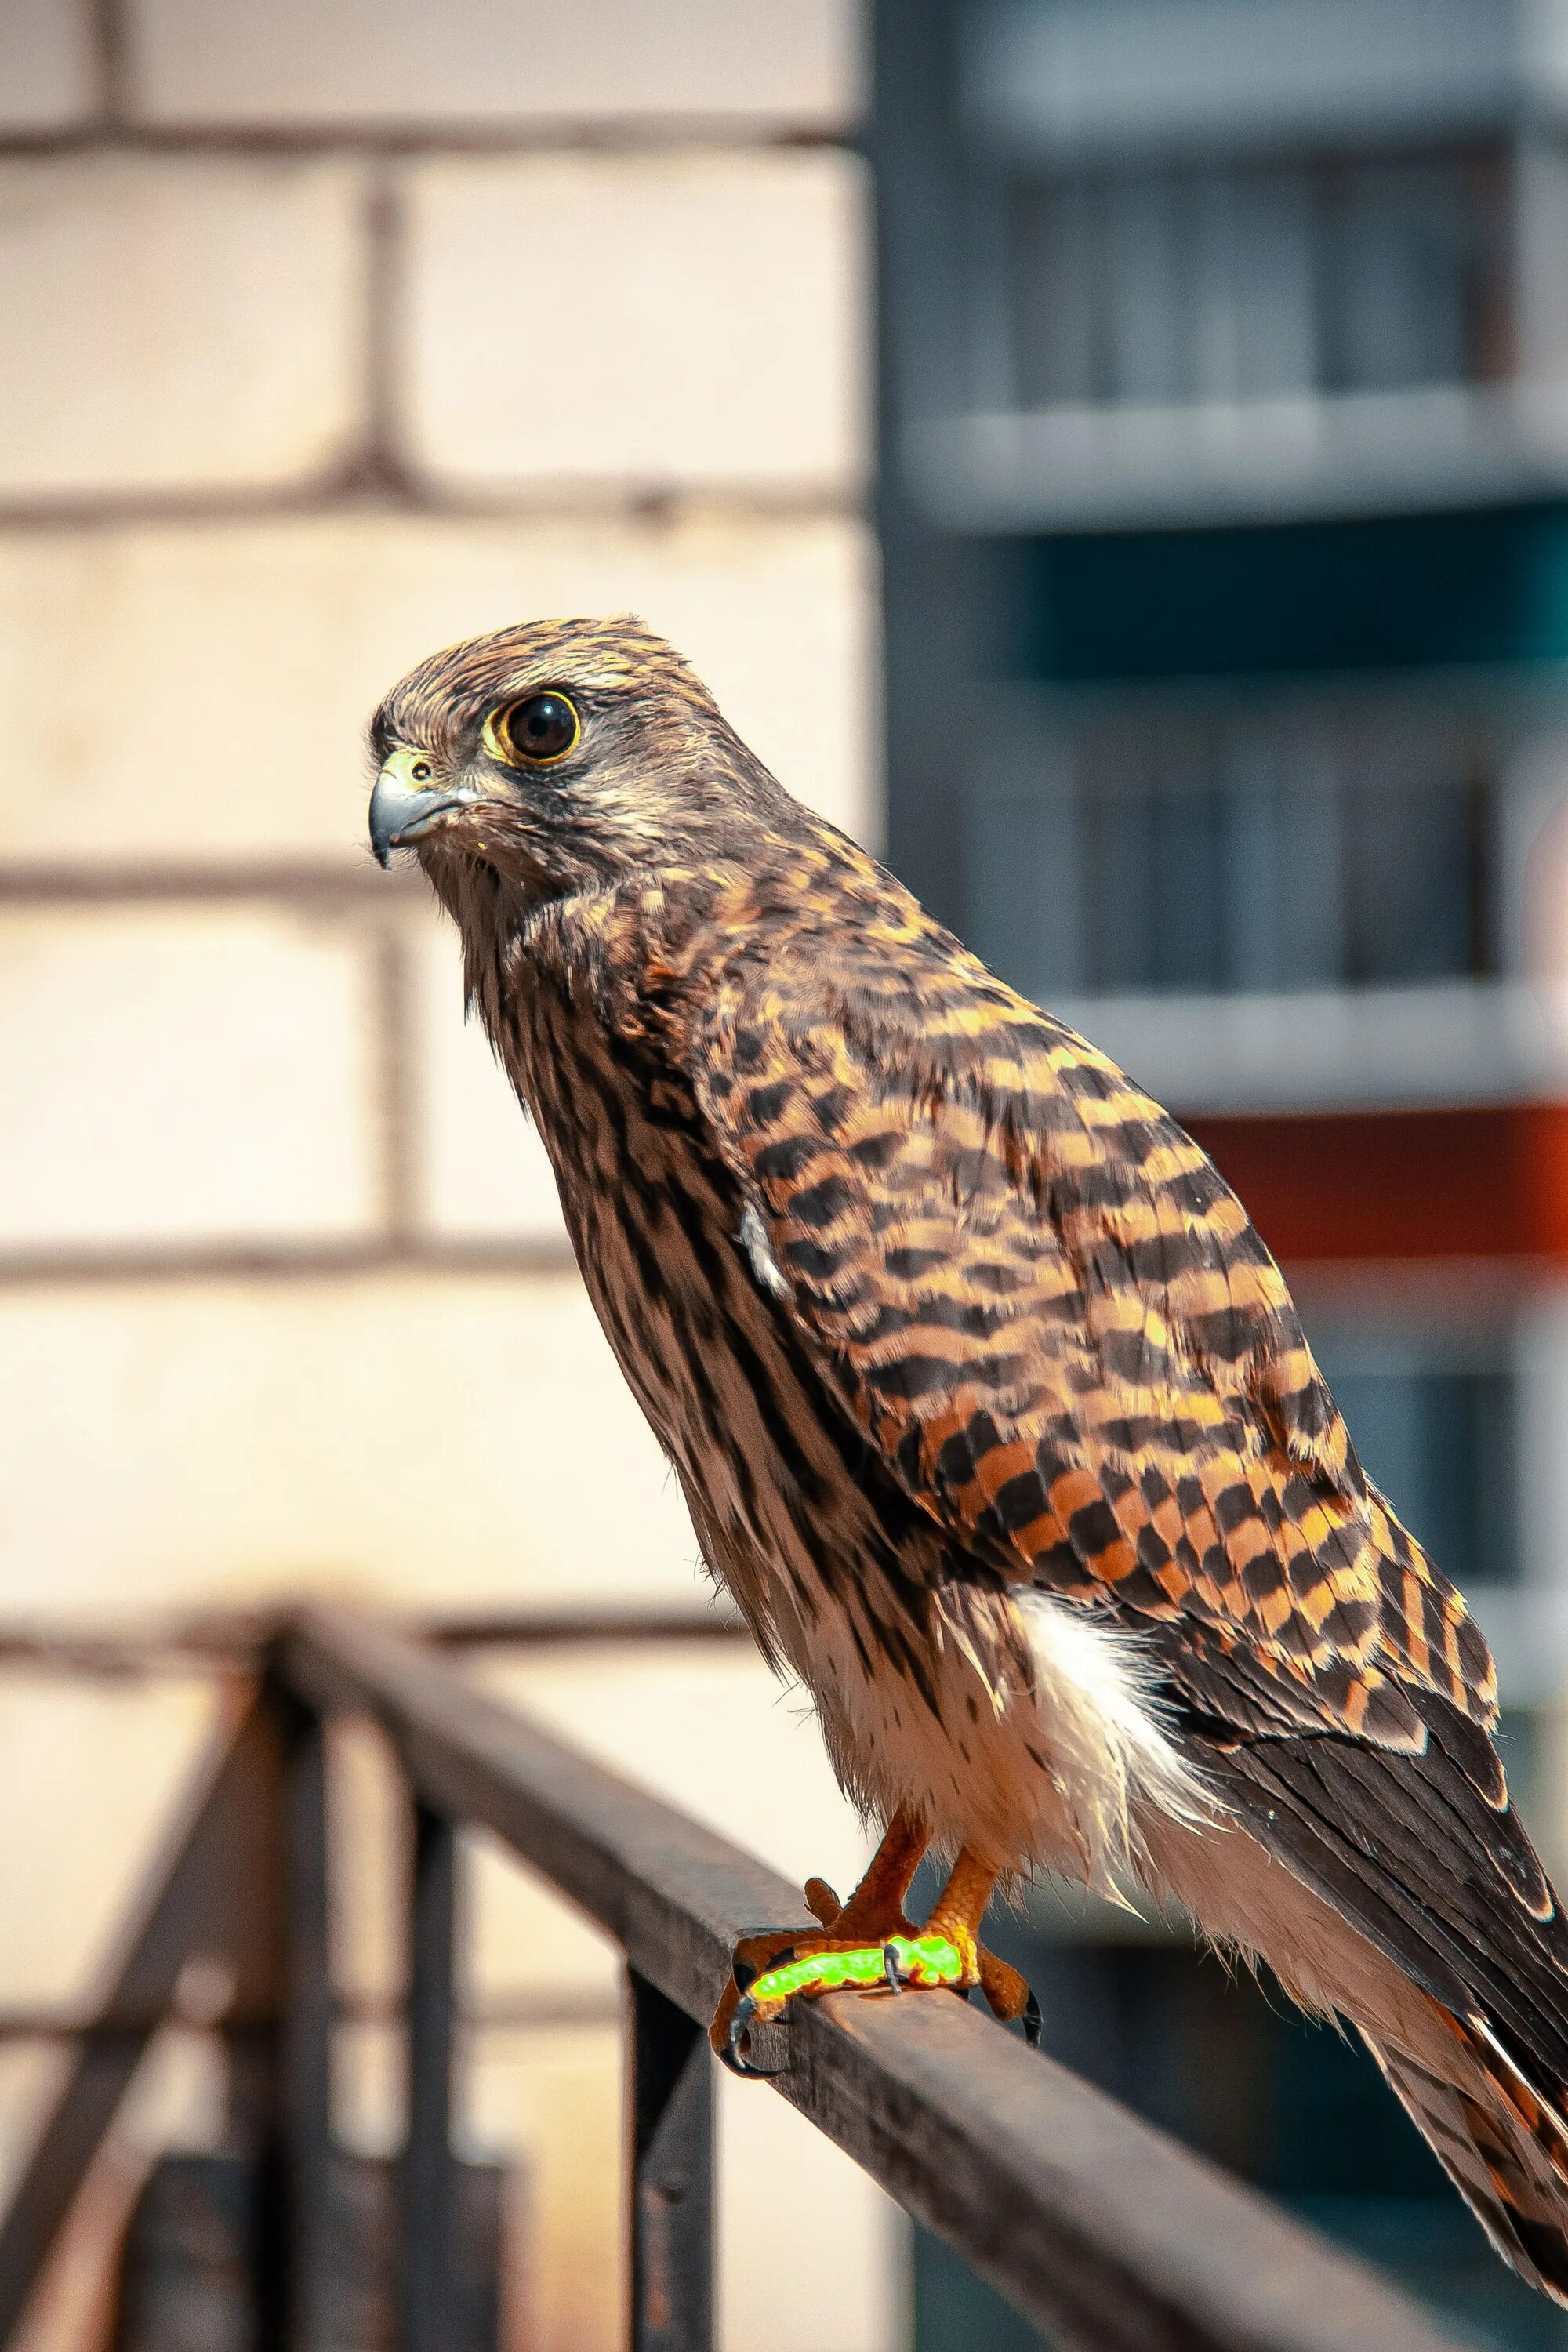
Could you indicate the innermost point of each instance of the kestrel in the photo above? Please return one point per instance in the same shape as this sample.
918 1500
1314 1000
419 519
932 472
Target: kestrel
991 1411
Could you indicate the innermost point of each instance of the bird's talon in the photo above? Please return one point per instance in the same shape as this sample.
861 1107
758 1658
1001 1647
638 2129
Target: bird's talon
1031 2021
868 1945
821 1902
734 2054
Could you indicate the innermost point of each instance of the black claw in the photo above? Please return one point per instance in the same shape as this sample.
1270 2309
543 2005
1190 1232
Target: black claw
891 1970
1031 2021
733 2056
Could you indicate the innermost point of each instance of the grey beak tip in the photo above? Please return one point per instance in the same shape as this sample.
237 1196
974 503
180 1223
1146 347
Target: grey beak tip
394 810
399 816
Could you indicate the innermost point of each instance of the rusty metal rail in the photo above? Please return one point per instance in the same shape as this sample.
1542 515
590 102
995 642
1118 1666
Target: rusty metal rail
1097 2227
1094 2225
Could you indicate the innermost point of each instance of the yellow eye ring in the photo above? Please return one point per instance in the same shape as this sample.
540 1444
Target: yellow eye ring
535 730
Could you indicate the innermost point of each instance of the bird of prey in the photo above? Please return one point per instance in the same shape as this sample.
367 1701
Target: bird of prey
992 1410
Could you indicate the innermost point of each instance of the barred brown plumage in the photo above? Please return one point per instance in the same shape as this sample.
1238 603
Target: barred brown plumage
991 1409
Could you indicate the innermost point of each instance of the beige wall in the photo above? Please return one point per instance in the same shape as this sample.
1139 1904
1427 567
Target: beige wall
334 331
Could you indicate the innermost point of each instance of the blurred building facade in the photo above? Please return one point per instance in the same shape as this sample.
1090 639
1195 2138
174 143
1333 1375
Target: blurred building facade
1224 505
1223 434
334 333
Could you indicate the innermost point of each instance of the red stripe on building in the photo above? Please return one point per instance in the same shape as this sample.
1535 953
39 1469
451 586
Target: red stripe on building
1490 1182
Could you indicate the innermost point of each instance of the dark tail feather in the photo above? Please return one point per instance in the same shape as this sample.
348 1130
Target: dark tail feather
1502 2144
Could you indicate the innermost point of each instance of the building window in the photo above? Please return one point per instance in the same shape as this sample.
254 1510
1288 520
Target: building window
1155 853
1234 283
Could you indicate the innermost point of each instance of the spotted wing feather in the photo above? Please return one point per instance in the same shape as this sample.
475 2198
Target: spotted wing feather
1038 1299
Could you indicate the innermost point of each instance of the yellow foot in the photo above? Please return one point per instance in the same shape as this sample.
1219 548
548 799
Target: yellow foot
884 1953
811 1965
1008 1995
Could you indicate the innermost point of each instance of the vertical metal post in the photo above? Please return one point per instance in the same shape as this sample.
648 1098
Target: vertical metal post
254 2060
429 2180
671 2118
307 2183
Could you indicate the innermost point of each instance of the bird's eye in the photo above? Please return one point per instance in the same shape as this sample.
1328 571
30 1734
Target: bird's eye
535 730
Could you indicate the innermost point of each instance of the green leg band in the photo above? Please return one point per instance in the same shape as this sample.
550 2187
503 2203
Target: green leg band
919 1959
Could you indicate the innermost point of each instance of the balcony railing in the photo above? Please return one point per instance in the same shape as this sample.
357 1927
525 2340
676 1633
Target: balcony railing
1095 2226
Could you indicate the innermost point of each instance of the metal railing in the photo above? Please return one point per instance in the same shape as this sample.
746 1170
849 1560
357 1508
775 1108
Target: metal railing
1094 2225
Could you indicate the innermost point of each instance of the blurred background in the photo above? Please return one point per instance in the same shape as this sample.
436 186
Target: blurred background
1112 454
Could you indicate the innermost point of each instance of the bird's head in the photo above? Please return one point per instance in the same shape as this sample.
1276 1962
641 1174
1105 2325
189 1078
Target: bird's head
563 756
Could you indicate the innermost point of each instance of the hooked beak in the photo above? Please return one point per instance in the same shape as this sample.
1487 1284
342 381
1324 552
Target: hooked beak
401 809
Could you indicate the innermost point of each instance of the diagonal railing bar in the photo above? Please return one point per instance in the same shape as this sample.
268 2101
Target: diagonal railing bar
215 1878
1092 2222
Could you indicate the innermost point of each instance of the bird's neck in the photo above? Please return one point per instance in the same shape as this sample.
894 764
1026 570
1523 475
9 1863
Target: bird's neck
637 953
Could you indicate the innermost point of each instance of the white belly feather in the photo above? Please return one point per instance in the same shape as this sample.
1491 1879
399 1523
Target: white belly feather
1062 1775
